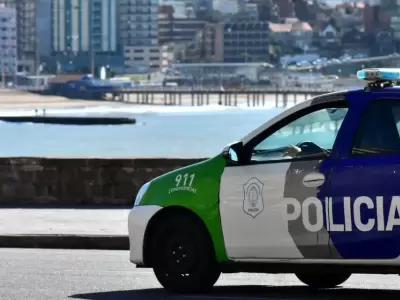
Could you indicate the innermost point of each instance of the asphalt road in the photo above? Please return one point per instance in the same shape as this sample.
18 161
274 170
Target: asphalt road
102 275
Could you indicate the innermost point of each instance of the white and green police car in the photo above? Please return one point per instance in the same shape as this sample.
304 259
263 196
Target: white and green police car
314 191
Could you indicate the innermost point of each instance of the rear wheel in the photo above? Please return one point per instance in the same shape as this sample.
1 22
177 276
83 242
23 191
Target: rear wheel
183 256
323 280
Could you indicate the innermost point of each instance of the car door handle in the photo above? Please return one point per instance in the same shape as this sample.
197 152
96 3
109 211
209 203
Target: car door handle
314 179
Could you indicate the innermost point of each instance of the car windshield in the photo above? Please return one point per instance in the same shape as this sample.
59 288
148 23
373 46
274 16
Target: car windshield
320 127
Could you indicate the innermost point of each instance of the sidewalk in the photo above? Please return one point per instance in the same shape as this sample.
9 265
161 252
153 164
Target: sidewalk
68 228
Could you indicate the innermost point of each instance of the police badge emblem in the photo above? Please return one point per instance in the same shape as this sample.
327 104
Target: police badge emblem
253 203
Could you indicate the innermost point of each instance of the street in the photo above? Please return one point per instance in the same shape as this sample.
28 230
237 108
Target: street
102 275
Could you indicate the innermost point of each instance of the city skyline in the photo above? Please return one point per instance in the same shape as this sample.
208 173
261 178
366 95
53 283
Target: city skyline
144 35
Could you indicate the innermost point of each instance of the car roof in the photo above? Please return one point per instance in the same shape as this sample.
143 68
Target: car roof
385 90
349 95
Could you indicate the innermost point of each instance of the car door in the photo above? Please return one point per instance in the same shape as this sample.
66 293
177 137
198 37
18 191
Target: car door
365 186
271 198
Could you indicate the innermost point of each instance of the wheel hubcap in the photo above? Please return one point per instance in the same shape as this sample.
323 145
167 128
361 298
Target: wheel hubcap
180 256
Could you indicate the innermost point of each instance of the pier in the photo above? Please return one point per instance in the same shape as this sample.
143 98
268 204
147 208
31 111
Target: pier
234 97
187 96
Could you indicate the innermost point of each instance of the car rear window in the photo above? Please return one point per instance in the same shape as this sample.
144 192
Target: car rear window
379 129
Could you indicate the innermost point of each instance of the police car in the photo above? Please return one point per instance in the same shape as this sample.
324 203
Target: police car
314 191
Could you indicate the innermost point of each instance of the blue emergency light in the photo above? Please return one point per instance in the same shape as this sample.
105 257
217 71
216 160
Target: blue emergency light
379 74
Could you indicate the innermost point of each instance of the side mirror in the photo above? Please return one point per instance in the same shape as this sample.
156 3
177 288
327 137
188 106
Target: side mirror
232 151
226 153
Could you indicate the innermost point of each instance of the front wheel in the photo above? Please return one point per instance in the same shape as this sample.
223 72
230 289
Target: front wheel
323 280
183 256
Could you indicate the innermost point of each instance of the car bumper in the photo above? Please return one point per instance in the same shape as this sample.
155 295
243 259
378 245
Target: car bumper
138 219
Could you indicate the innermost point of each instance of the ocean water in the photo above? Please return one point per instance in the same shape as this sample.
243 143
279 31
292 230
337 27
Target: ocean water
160 131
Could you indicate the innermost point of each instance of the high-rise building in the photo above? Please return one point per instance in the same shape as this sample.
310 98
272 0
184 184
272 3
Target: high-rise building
43 27
84 25
175 26
8 41
246 41
85 32
26 33
138 33
138 22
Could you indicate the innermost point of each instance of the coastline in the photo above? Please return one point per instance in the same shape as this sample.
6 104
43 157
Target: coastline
20 100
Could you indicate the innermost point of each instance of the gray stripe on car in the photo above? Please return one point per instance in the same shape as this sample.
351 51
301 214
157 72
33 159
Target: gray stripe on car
310 244
317 245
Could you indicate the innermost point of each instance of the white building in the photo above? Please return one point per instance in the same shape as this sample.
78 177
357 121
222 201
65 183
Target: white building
141 59
8 41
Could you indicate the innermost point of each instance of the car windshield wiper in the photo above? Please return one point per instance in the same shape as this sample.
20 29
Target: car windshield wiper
267 151
325 152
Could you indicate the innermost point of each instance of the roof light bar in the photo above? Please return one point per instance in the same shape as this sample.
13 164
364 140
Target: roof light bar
379 74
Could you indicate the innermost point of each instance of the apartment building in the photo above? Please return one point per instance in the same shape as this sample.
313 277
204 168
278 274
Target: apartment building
138 27
84 33
246 41
84 25
175 26
8 41
26 33
141 59
43 27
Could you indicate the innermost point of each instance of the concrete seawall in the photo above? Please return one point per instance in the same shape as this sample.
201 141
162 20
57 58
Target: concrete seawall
64 181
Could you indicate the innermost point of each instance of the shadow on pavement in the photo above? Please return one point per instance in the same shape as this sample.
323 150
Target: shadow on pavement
145 294
250 292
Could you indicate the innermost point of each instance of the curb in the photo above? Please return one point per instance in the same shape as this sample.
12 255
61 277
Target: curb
65 241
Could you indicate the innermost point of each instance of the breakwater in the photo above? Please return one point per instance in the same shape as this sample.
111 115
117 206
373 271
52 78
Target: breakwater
74 181
87 121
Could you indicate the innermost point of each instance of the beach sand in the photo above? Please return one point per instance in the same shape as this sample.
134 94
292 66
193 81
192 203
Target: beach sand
23 100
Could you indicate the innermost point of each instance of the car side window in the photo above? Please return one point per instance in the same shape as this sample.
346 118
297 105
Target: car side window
309 136
378 129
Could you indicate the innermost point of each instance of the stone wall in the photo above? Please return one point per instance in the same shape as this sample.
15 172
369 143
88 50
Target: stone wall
78 181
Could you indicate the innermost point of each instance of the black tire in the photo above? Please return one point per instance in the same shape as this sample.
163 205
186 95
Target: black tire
183 256
323 280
